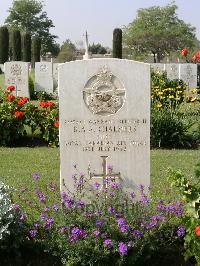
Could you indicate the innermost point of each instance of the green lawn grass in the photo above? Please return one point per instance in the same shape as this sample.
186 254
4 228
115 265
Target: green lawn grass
18 164
2 85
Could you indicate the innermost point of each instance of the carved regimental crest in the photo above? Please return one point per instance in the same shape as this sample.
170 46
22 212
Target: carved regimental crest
104 94
16 70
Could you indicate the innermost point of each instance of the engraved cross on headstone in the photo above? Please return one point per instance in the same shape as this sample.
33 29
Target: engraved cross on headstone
105 175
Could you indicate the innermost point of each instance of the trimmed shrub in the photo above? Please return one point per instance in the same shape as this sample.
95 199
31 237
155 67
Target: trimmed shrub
4 44
117 43
16 45
26 47
35 49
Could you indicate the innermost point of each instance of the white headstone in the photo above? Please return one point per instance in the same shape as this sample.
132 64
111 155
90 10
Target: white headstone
173 71
105 118
188 73
44 77
17 73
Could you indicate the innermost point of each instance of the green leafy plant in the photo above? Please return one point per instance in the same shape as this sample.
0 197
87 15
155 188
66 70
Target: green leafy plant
191 196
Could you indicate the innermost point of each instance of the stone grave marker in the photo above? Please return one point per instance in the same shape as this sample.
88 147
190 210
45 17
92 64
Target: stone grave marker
17 73
44 77
105 120
173 71
188 73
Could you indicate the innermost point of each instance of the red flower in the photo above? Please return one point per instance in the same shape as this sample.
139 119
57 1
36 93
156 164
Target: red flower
19 114
184 52
21 102
25 99
11 97
56 124
11 88
198 54
47 104
197 230
51 104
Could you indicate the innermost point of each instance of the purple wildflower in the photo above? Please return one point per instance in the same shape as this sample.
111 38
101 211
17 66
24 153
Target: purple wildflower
49 223
124 228
32 233
80 204
112 194
36 176
43 217
46 209
96 185
181 230
137 233
121 221
55 207
108 243
41 196
111 210
158 218
123 249
141 187
16 207
130 244
144 199
23 217
96 233
82 174
116 186
77 234
133 195
99 223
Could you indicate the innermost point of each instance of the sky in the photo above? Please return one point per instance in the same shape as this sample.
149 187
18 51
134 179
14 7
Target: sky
72 18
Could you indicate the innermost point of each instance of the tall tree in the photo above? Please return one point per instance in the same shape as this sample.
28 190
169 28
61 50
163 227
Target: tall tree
28 16
4 44
67 52
35 50
26 47
117 43
158 31
16 45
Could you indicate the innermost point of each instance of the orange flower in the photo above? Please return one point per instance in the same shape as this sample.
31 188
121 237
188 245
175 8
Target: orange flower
184 52
197 230
19 114
25 99
51 104
198 54
11 97
194 58
47 104
11 88
56 124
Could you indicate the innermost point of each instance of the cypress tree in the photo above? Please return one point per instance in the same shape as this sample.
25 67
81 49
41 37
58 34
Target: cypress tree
117 43
26 47
36 48
16 45
4 44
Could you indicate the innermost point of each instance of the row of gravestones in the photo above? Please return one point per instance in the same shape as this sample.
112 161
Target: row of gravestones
187 72
46 75
17 73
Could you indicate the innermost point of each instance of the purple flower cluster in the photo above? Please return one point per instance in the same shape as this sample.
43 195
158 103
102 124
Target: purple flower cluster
77 234
137 234
175 209
67 201
181 230
124 227
23 217
96 233
123 249
62 230
108 243
36 176
49 223
33 233
41 196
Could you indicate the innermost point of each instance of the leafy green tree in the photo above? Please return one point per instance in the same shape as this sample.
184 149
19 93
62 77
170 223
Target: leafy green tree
67 52
97 49
28 16
158 31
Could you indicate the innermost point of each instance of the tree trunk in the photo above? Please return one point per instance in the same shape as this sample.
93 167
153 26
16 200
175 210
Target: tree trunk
154 57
